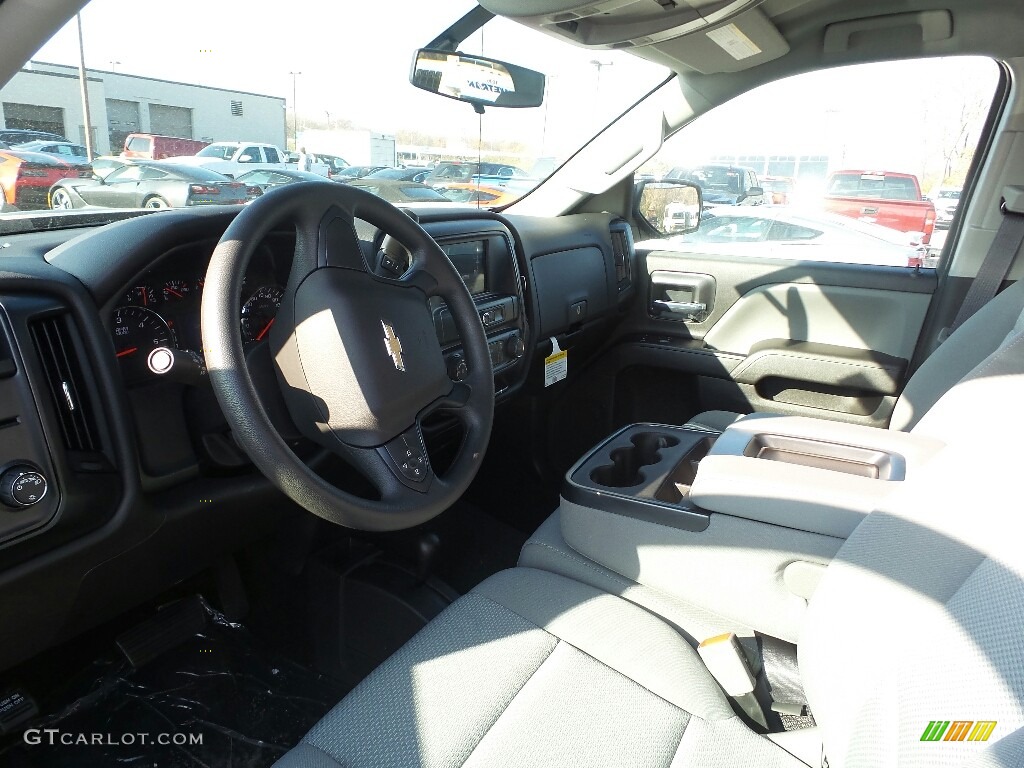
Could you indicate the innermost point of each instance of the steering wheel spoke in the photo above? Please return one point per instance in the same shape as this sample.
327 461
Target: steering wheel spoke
420 278
406 456
457 399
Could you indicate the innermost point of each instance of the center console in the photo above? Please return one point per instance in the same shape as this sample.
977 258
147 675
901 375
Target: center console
742 523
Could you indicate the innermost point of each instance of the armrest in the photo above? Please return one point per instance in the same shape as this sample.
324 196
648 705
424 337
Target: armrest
907 451
794 496
808 474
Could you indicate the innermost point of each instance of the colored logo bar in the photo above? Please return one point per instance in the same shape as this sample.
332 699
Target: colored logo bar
958 730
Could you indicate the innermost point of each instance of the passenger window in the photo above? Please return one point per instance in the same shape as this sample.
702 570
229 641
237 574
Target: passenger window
860 164
252 153
128 173
272 156
784 230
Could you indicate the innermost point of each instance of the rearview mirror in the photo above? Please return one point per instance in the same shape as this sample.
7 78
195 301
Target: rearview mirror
477 80
669 207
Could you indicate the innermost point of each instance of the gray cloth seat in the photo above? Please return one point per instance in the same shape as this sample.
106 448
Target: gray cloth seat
975 340
534 669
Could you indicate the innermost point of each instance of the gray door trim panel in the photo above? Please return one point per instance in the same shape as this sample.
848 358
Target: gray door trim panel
738 276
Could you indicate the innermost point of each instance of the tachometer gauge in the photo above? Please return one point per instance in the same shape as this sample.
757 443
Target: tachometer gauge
176 290
137 332
259 311
141 296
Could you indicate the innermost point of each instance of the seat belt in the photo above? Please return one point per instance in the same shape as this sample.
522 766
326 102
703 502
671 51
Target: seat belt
996 265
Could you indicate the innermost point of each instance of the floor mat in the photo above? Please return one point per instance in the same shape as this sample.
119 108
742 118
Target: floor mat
475 545
219 699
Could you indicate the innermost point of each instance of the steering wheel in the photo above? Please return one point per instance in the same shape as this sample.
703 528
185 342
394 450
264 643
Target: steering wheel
356 356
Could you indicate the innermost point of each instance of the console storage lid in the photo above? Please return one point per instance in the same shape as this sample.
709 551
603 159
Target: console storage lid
803 473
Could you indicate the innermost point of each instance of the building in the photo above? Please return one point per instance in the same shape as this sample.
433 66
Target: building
47 97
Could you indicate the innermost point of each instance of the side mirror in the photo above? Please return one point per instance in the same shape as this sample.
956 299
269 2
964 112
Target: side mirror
245 159
755 192
668 207
477 80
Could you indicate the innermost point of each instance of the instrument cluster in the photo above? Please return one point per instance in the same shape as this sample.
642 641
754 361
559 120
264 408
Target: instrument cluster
163 310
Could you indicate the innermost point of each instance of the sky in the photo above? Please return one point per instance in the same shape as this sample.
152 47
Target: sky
355 64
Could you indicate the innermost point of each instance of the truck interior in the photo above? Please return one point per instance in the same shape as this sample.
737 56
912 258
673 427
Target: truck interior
430 484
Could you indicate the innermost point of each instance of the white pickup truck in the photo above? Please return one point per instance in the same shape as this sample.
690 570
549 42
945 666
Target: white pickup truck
233 158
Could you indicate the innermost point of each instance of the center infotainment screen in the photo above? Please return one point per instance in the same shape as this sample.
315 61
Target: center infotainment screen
468 258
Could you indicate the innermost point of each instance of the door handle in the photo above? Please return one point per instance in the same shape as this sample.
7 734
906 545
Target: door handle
687 308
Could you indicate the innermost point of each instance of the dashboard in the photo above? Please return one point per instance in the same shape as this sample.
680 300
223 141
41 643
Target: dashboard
142 484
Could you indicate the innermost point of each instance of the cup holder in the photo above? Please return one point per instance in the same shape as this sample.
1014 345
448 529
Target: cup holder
627 461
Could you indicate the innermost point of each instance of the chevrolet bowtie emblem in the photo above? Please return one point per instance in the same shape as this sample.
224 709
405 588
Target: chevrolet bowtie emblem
393 345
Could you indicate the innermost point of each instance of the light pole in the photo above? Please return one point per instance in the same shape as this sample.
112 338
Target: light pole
295 114
600 65
84 82
113 66
328 119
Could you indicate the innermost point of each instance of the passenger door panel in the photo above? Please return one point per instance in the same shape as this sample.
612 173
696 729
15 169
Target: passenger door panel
815 339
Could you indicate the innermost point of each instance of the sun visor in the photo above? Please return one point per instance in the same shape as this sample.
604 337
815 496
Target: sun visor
747 41
619 23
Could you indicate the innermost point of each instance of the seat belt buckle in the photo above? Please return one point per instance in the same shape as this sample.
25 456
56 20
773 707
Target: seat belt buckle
724 657
730 666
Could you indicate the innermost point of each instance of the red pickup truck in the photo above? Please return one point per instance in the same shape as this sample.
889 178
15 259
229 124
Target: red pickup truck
893 200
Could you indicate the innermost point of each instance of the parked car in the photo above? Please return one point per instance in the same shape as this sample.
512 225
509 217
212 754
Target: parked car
356 172
153 146
26 177
783 233
946 202
12 136
264 180
73 153
148 184
888 198
400 191
454 172
723 184
777 189
478 194
334 163
409 173
679 217
232 158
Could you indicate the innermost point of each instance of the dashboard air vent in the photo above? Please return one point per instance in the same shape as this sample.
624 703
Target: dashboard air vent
621 247
53 340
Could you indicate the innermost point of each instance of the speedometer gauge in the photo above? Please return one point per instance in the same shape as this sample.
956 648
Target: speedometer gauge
141 295
176 290
137 332
259 311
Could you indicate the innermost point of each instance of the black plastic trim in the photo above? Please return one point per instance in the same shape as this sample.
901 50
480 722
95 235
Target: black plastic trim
579 489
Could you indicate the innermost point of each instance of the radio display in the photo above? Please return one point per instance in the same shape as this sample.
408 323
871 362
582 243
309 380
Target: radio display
469 258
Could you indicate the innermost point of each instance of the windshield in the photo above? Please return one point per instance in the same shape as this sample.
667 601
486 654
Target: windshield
219 151
195 83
